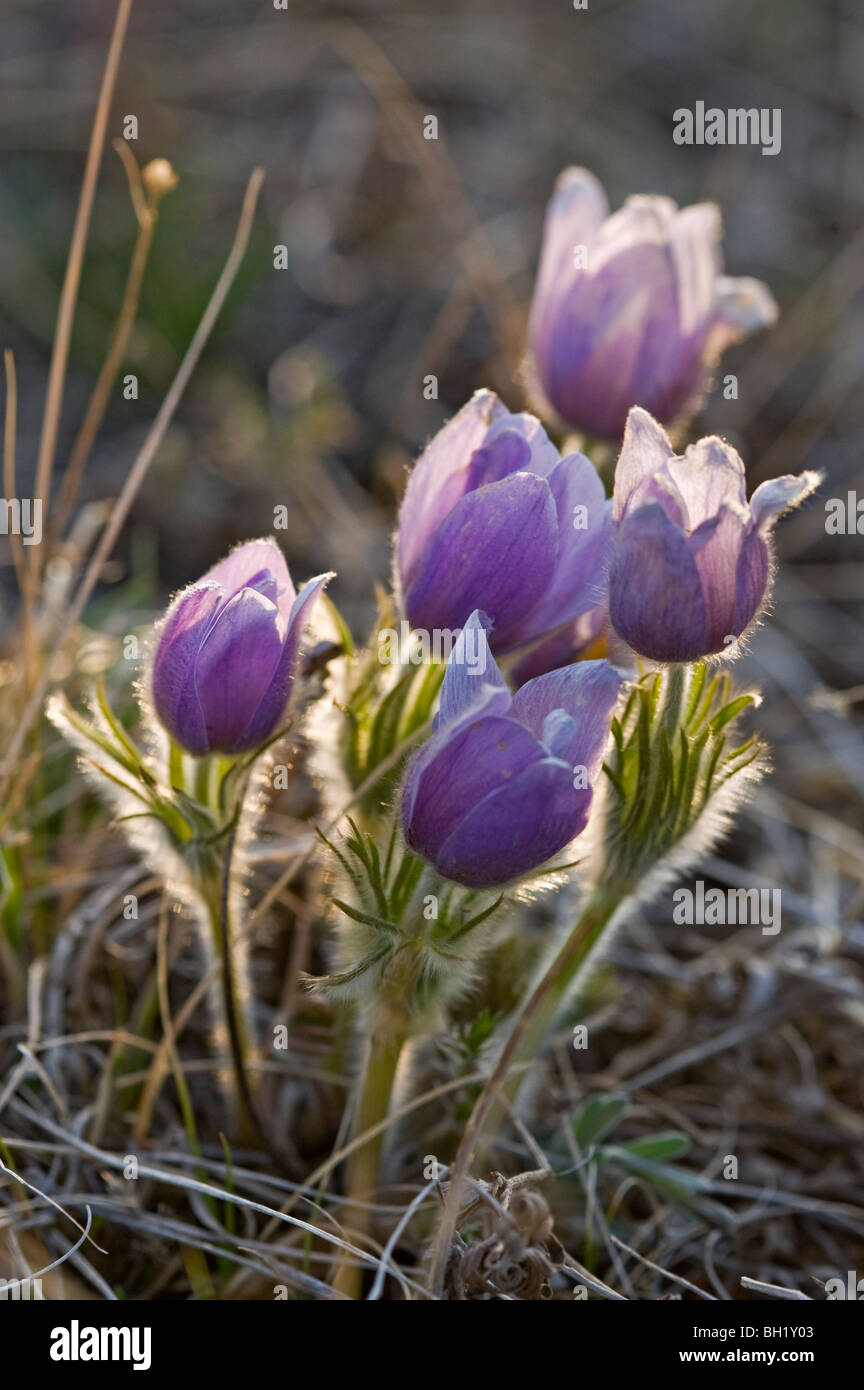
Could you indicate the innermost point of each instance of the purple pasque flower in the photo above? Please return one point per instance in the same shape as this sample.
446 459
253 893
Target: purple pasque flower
632 308
494 519
227 651
505 782
692 559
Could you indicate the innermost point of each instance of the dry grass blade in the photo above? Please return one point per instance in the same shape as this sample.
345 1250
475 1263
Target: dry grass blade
139 468
69 294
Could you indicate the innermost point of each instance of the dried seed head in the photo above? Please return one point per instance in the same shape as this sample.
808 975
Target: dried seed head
520 1254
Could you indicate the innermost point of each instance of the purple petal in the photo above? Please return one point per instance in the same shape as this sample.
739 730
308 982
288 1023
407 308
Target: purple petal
236 663
265 718
543 454
661 489
454 772
495 551
256 565
752 580
743 307
173 680
645 451
779 495
576 210
695 239
655 594
587 693
516 828
440 477
507 452
578 582
710 475
716 547
473 686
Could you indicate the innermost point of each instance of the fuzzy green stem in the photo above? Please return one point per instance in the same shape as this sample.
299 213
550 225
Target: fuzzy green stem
219 909
527 1035
677 680
384 1046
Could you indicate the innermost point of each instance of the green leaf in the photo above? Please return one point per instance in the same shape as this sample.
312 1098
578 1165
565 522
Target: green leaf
476 919
597 1118
345 977
659 1147
366 918
730 712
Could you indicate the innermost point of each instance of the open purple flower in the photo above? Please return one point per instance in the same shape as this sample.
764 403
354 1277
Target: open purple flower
494 519
632 308
691 558
505 782
227 652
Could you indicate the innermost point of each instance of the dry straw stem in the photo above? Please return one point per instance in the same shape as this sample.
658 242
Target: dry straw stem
69 294
145 201
142 463
595 917
206 1190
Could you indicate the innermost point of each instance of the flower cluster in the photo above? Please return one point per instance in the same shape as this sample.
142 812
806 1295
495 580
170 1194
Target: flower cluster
514 545
464 783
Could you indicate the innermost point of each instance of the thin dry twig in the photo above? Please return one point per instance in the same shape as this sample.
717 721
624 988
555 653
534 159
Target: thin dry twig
69 293
140 467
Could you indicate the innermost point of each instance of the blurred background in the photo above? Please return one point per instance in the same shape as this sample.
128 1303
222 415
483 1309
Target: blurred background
407 257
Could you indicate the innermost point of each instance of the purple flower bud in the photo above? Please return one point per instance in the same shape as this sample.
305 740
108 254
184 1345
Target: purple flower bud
505 782
691 558
227 651
633 308
494 519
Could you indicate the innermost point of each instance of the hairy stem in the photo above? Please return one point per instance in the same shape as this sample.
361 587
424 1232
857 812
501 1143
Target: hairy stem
525 1041
234 1023
384 1047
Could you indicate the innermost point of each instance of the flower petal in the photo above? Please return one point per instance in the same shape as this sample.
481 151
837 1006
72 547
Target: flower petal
587 693
716 547
779 495
453 773
236 662
578 582
576 210
655 594
710 475
645 450
494 551
516 828
473 686
256 564
269 711
439 477
743 307
543 454
695 239
173 677
752 580
505 453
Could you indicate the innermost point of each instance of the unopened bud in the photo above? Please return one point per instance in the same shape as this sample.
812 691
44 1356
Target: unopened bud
159 178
